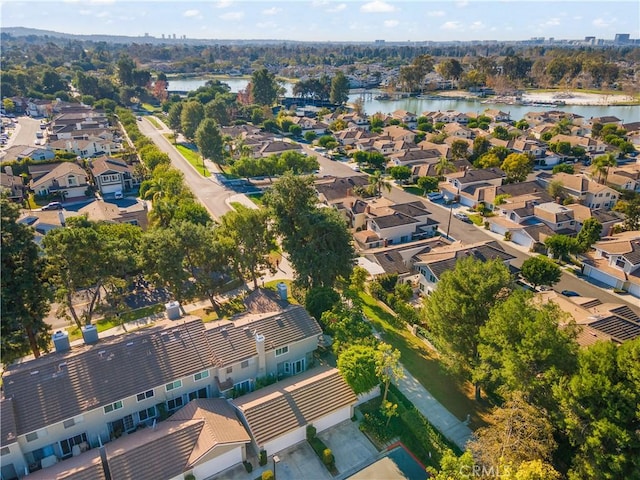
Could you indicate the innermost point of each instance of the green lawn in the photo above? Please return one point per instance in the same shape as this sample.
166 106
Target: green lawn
477 219
456 394
150 108
155 123
257 198
126 317
414 190
194 159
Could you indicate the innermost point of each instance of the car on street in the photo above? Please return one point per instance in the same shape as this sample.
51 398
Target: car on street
570 293
52 206
433 196
462 217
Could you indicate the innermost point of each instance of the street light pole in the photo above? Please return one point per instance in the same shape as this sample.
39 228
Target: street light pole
276 460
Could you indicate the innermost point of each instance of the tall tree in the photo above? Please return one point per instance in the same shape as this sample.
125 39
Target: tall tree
264 87
209 141
339 89
444 166
526 347
125 66
459 149
599 407
601 165
378 182
561 246
630 207
190 117
460 305
388 367
589 234
518 432
517 166
248 233
541 270
24 295
174 117
358 366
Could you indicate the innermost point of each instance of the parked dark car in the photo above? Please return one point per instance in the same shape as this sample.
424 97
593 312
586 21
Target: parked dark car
462 217
570 293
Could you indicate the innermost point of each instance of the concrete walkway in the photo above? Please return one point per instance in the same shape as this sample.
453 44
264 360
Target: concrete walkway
441 418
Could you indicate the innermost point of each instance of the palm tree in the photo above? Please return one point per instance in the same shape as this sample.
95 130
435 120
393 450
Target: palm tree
443 166
378 182
601 166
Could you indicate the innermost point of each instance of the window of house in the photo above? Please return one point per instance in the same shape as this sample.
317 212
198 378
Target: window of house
144 395
175 403
202 393
66 446
432 279
4 451
620 263
201 375
244 364
147 414
282 350
114 406
72 181
32 436
229 369
173 385
597 205
607 194
69 423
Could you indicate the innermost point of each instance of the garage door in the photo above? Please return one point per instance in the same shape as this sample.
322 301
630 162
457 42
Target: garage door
521 238
111 188
332 419
286 440
602 277
219 463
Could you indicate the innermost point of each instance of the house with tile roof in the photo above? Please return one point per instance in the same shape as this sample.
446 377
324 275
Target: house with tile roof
615 261
468 186
433 264
583 189
127 211
90 395
112 175
204 438
626 177
12 185
557 217
380 222
609 322
67 179
320 398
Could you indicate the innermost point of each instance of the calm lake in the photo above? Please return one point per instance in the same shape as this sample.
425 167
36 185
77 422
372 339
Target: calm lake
418 105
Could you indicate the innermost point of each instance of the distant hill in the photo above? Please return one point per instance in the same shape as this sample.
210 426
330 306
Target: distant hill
25 32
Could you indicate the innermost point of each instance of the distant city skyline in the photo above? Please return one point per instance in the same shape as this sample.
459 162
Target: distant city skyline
331 20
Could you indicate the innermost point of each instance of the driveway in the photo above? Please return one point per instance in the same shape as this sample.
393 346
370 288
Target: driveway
349 446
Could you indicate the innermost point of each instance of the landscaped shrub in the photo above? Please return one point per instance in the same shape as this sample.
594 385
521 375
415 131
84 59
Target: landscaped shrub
247 466
262 460
267 475
327 457
189 476
311 432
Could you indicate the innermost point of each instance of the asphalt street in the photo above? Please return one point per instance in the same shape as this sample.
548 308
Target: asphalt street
210 193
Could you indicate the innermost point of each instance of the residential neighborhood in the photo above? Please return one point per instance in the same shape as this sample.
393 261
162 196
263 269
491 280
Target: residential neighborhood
215 284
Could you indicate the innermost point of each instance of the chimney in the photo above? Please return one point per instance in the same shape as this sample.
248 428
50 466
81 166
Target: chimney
367 209
262 360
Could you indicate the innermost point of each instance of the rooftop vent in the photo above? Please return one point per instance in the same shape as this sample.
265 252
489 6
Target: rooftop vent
61 341
90 334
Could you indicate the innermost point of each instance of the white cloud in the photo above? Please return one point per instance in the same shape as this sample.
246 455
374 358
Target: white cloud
85 12
319 3
271 11
603 22
191 13
377 6
451 26
338 8
391 23
102 2
462 3
552 22
436 13
223 3
232 16
103 14
577 17
477 26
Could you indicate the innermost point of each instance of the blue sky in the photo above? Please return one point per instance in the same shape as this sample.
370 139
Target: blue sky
331 20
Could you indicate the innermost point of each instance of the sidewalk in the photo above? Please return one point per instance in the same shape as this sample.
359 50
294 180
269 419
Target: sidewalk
441 418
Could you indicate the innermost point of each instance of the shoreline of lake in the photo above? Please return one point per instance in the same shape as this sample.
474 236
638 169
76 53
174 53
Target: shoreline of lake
442 102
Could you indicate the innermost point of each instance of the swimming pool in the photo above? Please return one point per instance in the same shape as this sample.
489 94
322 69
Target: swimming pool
397 464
